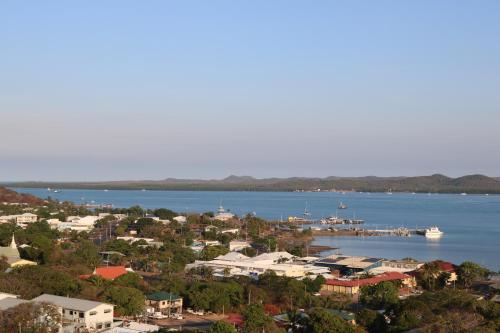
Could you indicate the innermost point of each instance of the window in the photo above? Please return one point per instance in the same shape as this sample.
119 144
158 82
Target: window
93 313
99 326
82 315
107 310
108 325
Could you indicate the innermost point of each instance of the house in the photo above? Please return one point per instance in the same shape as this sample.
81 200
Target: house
81 314
21 219
447 267
107 273
164 302
149 241
233 231
237 245
12 254
180 219
78 223
353 286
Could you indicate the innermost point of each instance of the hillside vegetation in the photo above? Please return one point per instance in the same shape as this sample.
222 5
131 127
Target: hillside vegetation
435 183
9 196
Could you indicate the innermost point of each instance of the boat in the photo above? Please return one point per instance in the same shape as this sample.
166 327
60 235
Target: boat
342 205
389 191
307 213
463 193
433 232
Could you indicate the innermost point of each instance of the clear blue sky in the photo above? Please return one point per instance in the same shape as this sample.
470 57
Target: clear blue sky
101 90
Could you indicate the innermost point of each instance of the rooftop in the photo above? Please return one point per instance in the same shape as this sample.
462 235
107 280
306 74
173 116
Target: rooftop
162 296
350 261
10 302
389 276
111 272
68 302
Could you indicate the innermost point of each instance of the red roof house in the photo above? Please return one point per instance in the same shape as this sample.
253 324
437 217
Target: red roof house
236 319
107 273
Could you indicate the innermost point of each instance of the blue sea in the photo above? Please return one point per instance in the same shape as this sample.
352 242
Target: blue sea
471 223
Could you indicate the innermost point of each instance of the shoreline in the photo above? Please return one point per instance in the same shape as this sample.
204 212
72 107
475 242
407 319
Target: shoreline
229 188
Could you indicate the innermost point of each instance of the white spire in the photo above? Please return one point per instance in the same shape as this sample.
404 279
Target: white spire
13 243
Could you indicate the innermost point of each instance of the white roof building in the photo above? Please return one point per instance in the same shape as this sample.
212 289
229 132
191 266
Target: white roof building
21 219
236 263
237 245
180 219
81 313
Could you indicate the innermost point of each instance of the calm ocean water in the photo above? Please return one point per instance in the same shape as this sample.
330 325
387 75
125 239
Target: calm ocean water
471 223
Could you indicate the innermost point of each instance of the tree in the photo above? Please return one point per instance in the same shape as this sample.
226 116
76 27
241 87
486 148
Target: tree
30 318
255 318
165 214
130 279
469 271
213 251
373 321
221 327
313 286
128 301
428 275
323 321
88 253
380 295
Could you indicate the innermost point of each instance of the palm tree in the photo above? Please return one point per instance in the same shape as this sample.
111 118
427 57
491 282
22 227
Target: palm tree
428 273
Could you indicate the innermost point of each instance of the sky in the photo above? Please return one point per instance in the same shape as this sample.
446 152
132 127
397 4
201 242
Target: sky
113 90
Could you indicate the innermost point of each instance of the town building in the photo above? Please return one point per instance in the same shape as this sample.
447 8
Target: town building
164 302
349 265
353 286
74 223
238 245
234 263
20 219
401 266
79 314
180 219
11 253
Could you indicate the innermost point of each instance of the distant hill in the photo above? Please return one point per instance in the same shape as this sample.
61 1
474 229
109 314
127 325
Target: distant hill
435 183
10 196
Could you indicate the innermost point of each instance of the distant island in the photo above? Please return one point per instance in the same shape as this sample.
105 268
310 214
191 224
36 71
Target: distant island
437 183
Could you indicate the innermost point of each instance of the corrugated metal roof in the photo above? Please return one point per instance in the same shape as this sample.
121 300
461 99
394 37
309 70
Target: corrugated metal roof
10 302
68 302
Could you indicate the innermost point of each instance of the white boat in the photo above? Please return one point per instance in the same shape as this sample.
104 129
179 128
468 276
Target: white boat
433 232
342 205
